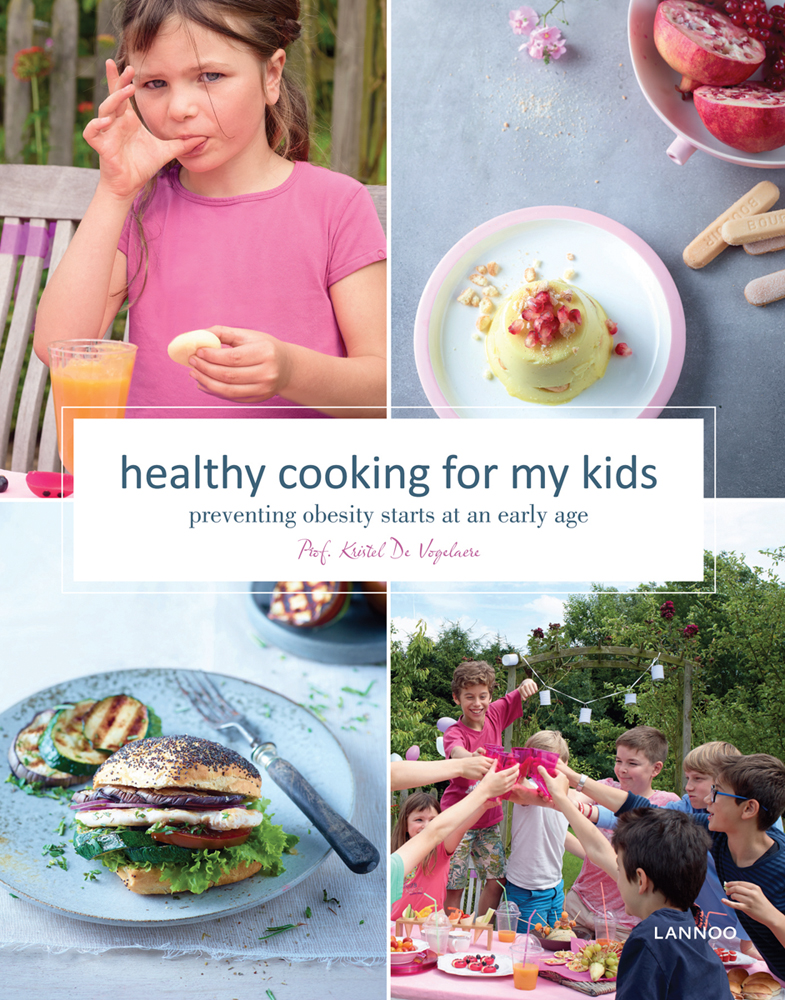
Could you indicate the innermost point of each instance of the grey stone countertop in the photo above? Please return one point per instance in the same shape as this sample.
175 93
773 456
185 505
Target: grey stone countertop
579 133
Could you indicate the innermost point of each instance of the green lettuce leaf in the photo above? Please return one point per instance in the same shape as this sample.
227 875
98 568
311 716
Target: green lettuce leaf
267 843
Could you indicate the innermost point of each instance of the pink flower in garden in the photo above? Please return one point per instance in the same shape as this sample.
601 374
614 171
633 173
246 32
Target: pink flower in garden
32 62
523 20
537 633
690 630
667 610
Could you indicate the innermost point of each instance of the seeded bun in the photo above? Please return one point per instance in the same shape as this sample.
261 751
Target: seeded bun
180 762
148 883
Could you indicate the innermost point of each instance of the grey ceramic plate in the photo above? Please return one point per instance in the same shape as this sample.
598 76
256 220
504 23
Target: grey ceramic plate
30 822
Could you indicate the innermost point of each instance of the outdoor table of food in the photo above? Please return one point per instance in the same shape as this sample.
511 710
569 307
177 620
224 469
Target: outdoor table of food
137 654
489 972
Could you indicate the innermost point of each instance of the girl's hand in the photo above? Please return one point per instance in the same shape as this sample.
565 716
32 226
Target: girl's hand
129 154
497 783
527 689
256 366
749 898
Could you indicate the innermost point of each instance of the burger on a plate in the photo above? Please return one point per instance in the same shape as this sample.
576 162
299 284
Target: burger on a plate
178 813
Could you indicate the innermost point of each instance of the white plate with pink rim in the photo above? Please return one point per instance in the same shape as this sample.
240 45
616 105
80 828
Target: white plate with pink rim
610 262
658 84
504 962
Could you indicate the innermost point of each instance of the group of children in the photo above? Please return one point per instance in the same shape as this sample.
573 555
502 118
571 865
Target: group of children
714 858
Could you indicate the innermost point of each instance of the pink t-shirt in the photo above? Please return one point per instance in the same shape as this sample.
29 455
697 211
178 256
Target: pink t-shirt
417 883
500 714
593 881
261 261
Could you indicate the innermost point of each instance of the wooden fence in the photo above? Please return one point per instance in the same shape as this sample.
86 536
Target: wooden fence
358 72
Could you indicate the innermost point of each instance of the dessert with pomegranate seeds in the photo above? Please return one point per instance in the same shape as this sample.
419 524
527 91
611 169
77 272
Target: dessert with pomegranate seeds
549 341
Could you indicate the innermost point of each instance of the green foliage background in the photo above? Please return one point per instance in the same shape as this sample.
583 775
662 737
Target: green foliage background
738 685
319 19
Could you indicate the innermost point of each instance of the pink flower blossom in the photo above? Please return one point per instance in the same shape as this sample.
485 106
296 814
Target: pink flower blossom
523 20
535 49
549 40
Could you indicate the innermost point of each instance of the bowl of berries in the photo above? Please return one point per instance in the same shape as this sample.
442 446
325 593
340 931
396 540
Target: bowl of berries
406 949
714 72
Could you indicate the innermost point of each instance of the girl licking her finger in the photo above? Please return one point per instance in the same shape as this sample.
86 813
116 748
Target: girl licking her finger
207 215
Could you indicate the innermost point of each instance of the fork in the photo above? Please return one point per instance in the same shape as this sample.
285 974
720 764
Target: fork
355 850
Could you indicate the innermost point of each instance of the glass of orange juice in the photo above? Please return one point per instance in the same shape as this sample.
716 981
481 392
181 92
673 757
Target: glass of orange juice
524 963
90 378
507 915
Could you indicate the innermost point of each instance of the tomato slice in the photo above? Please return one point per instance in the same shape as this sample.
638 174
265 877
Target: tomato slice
212 841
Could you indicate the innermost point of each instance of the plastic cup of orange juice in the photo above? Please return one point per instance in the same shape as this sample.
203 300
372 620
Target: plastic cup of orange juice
524 962
90 378
507 915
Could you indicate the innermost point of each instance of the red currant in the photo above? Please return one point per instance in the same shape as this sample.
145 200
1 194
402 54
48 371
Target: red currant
765 20
748 7
738 19
776 83
732 6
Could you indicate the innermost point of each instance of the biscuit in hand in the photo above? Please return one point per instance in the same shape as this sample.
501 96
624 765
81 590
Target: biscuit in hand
187 344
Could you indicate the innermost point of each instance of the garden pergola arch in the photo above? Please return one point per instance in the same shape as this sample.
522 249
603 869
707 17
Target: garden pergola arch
618 658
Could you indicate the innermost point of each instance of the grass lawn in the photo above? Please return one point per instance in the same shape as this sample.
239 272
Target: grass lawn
570 869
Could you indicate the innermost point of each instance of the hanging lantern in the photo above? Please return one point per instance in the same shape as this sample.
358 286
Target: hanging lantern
413 753
444 724
545 697
585 715
395 757
657 673
630 698
510 659
440 745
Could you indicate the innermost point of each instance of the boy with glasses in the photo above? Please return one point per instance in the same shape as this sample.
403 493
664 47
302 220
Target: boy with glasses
747 797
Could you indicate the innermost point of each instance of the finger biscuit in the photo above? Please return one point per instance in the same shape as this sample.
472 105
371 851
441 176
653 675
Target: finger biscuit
709 244
765 246
769 288
736 232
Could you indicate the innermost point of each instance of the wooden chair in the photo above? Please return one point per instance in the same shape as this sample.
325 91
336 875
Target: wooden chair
40 207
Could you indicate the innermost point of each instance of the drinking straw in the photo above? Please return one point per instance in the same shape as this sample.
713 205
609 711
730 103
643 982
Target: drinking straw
605 912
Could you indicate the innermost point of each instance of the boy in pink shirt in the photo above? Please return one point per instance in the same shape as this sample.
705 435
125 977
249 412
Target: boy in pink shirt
481 724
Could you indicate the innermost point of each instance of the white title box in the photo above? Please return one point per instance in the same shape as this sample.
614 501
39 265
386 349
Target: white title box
421 501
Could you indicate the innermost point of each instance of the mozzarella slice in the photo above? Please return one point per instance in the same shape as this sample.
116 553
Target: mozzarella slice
215 819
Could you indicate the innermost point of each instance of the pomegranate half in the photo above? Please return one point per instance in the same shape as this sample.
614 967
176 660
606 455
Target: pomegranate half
750 117
704 46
